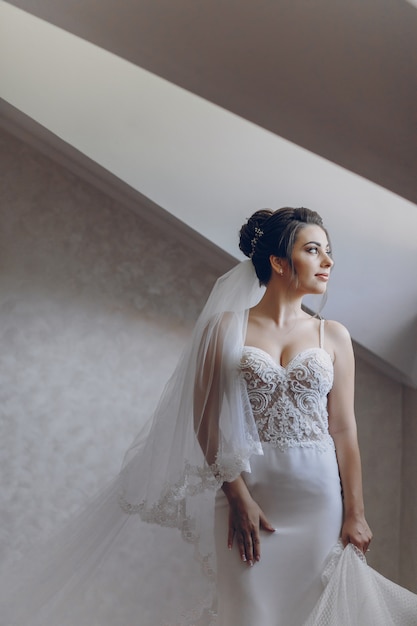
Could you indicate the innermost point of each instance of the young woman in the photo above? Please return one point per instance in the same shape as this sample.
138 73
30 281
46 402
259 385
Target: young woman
240 503
299 374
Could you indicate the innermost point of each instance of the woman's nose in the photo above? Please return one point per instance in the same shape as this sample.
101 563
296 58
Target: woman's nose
327 260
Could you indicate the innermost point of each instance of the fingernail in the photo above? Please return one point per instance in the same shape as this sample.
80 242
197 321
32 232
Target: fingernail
243 558
258 558
250 563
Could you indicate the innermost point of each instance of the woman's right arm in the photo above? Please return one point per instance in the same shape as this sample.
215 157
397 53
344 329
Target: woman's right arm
246 519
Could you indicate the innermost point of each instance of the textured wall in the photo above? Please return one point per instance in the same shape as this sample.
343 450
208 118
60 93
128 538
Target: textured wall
408 564
378 413
95 305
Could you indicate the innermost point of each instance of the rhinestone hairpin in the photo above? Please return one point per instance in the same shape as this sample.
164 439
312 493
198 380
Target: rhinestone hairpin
258 234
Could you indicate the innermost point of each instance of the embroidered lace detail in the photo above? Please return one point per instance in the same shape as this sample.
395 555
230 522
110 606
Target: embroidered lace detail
170 509
289 404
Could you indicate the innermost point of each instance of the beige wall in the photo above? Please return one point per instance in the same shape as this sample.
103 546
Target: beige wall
378 413
95 305
408 562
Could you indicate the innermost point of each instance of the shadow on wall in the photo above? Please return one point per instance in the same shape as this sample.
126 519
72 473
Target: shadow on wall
401 345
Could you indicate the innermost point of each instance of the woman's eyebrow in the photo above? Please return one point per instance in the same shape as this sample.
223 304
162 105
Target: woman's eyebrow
316 243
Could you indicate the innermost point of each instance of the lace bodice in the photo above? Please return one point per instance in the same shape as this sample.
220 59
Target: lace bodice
289 403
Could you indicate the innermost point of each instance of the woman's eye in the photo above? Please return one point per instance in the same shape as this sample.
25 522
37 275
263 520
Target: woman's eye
313 250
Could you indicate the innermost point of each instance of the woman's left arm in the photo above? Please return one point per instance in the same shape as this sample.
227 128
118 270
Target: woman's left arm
342 427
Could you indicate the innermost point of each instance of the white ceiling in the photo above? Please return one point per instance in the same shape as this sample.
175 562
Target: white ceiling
338 78
338 81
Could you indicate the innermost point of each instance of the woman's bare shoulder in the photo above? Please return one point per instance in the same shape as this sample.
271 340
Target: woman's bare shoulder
336 330
338 336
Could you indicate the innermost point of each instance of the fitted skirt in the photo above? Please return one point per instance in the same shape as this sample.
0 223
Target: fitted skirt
299 491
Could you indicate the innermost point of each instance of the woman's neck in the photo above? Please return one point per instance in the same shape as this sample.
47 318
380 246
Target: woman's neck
279 305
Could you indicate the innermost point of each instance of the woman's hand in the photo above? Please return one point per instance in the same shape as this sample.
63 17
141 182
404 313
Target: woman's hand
355 530
246 519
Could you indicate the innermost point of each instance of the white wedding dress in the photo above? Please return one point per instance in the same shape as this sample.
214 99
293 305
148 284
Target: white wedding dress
296 483
304 576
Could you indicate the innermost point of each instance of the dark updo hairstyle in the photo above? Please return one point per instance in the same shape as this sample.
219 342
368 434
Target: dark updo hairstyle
273 233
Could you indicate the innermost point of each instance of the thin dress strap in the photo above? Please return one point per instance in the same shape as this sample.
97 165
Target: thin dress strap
322 333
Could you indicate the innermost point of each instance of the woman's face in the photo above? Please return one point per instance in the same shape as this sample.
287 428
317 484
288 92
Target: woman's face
311 259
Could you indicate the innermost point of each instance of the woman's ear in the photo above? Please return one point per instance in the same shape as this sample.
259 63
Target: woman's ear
276 265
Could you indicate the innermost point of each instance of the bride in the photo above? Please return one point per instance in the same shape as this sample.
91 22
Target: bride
240 502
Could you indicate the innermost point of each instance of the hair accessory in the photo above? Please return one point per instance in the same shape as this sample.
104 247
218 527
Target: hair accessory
258 234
